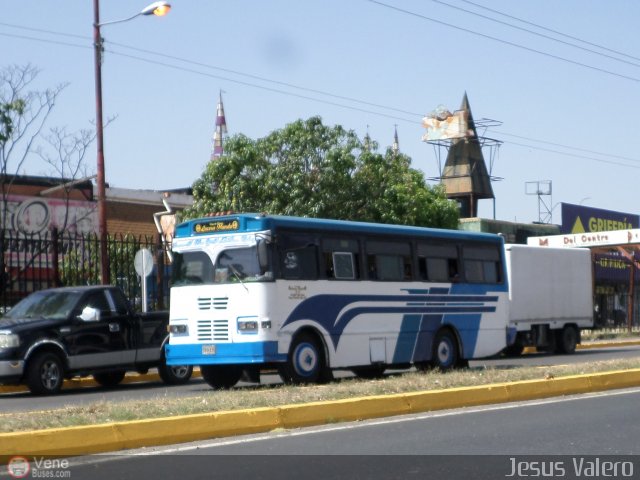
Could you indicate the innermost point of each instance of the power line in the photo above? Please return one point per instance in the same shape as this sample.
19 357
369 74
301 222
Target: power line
283 92
536 33
586 42
506 42
569 147
254 85
575 155
264 79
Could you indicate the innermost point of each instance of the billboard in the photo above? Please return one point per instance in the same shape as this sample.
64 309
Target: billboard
577 219
444 125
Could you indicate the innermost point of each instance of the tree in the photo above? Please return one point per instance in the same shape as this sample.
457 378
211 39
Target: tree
24 113
310 169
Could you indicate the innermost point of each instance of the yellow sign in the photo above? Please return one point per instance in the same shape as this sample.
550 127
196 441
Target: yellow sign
215 226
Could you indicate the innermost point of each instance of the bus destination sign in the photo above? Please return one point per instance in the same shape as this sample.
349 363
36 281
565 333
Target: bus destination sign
214 226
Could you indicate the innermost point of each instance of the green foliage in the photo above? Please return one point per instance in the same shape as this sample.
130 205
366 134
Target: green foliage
8 111
312 170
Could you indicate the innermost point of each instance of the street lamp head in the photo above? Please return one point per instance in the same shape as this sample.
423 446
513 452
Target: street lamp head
159 9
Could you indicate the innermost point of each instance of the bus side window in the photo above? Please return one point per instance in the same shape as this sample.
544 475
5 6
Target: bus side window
438 262
298 257
482 264
300 264
340 258
388 261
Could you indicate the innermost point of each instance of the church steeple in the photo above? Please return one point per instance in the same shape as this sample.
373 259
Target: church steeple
221 129
366 142
396 145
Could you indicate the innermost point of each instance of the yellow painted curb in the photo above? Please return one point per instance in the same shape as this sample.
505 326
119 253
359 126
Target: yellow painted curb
135 434
86 382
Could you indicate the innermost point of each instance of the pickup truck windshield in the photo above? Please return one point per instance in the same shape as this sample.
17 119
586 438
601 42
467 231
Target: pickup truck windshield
54 305
232 265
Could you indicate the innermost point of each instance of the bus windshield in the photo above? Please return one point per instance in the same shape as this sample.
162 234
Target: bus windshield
232 266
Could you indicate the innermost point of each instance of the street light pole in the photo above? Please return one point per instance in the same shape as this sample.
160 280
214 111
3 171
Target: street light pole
100 181
158 9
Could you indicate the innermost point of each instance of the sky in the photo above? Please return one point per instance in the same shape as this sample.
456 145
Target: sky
559 81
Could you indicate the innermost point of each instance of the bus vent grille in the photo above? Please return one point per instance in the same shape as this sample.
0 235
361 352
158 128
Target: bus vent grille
213 330
217 303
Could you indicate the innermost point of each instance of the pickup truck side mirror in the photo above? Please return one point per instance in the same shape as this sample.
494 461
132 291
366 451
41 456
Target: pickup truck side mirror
90 314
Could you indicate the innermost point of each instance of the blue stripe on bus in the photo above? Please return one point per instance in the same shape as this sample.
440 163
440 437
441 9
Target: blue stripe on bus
226 353
325 310
407 338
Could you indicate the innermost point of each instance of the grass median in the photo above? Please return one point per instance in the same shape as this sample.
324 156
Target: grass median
277 395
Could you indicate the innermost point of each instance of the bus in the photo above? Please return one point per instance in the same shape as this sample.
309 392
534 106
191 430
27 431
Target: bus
305 296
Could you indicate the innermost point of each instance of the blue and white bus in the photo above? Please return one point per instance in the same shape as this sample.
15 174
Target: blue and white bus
306 296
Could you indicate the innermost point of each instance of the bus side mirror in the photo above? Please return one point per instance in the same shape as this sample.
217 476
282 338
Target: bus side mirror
263 255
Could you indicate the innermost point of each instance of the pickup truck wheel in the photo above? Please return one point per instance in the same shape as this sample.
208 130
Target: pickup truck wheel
45 374
109 379
175 374
221 377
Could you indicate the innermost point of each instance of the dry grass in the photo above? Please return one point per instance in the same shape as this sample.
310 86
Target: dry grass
269 396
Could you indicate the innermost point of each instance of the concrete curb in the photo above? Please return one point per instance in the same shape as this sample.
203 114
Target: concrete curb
164 431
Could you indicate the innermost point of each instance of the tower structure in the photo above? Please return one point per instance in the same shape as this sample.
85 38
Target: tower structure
221 130
465 175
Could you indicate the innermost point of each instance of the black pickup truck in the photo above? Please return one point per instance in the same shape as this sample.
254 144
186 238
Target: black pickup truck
76 331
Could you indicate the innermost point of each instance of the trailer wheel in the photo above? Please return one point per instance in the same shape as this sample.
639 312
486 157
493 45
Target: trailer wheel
221 377
567 339
445 354
45 374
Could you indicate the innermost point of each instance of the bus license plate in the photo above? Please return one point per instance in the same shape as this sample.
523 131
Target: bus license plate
208 349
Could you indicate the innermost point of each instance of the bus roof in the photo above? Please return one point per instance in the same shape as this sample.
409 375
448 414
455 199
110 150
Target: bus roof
256 222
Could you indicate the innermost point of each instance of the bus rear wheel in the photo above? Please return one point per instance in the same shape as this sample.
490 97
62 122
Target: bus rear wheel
306 362
221 377
445 355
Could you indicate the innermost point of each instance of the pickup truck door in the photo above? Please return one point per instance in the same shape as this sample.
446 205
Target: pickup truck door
103 343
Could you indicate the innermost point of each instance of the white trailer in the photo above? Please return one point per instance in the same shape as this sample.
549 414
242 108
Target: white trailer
551 297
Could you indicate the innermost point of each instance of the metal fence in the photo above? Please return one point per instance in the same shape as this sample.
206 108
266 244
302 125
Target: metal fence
53 259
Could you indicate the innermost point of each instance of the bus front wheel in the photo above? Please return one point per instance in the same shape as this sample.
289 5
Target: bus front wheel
306 362
221 377
445 354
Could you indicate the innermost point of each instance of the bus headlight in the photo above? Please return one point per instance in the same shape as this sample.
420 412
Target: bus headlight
179 329
8 339
247 325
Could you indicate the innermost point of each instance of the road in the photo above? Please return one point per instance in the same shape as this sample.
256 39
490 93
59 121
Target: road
151 390
483 442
